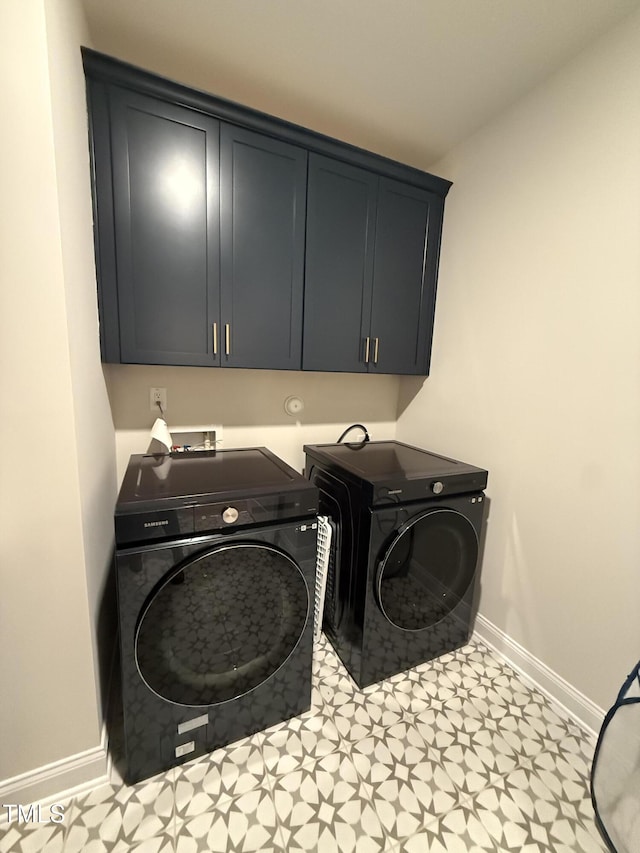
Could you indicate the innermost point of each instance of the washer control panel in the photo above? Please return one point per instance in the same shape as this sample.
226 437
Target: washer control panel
232 514
212 517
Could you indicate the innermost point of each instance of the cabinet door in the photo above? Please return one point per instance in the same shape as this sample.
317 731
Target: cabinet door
263 197
407 231
341 213
165 197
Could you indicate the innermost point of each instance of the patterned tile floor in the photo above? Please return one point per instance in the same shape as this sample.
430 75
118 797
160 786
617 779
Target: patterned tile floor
458 755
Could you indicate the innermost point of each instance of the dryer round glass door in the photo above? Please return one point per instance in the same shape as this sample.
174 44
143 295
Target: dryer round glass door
427 569
221 624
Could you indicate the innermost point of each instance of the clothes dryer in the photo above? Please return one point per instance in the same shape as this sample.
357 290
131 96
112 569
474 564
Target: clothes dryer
404 564
215 570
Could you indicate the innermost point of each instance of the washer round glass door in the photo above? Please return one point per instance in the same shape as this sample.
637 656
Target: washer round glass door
427 569
222 624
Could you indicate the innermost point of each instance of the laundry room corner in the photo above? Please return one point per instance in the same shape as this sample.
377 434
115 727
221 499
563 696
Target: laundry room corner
536 362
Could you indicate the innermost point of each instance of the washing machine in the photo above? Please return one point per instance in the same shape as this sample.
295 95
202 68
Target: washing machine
215 570
403 566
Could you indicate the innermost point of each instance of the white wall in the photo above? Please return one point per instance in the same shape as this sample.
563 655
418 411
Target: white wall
48 709
536 363
249 404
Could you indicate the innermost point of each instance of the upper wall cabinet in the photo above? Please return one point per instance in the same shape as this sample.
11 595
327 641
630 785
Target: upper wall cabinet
263 188
372 246
407 241
163 278
225 237
206 238
341 215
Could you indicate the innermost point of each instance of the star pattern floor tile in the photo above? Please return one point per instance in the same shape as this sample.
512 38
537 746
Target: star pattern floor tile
357 712
31 838
457 755
302 740
224 774
326 806
245 823
409 786
113 819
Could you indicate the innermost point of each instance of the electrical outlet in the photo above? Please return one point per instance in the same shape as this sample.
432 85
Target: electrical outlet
157 395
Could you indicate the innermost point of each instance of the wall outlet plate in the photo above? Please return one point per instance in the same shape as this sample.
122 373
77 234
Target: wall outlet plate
157 395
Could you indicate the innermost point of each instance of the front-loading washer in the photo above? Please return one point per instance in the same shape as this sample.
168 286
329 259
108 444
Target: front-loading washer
215 569
403 567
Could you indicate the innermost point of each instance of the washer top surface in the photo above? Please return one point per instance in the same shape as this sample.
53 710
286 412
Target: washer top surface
391 463
204 474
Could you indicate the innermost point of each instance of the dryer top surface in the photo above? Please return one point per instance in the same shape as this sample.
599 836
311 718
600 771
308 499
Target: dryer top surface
393 463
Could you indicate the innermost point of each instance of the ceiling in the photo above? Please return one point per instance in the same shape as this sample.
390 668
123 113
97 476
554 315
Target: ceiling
408 79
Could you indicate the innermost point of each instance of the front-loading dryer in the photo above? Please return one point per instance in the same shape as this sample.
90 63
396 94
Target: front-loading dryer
215 570
403 568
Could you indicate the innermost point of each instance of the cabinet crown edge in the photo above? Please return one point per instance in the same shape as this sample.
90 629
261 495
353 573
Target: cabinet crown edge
106 69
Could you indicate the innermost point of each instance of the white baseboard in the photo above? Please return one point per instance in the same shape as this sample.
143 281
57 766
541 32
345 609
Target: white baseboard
60 779
575 704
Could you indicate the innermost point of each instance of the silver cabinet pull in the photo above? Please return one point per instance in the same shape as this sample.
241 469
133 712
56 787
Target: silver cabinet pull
375 351
227 339
366 351
215 339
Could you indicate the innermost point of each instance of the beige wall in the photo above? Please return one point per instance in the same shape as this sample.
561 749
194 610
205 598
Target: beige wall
249 404
94 433
48 709
536 364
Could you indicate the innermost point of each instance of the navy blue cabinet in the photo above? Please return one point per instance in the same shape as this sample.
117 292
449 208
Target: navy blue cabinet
263 189
225 237
341 216
372 249
205 227
165 280
407 244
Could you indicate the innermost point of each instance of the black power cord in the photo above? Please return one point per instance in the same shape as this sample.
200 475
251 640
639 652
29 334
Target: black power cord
355 445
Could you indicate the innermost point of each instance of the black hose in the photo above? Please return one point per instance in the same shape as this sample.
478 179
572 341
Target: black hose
355 445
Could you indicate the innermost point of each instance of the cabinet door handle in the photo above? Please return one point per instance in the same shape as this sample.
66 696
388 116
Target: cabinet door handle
215 339
227 339
366 351
375 351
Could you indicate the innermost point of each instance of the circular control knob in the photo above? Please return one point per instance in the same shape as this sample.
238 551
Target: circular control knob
230 515
437 487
